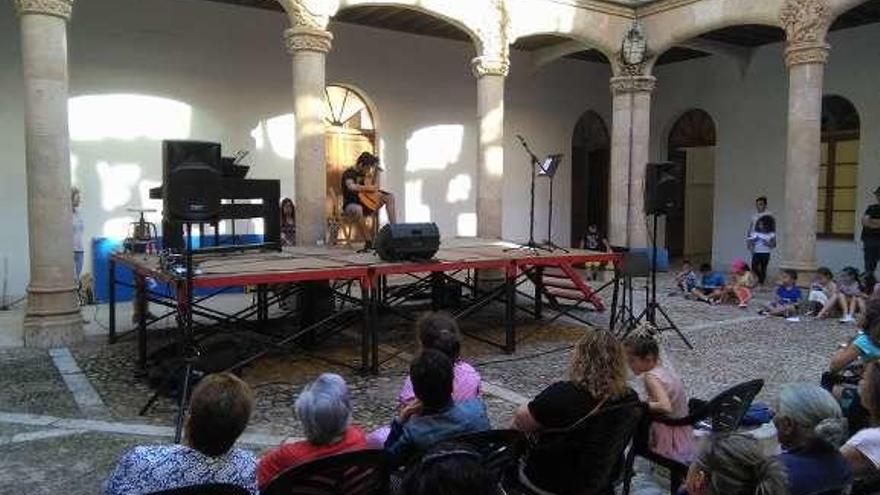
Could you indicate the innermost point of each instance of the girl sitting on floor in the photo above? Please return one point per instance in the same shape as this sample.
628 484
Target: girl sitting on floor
437 331
850 297
739 290
822 292
666 397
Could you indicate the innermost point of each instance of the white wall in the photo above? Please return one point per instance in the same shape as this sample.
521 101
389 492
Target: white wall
750 113
203 70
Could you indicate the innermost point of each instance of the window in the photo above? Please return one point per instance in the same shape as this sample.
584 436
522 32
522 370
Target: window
839 169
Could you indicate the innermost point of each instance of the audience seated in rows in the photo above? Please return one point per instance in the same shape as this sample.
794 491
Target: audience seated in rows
597 380
734 465
862 451
866 344
219 411
811 428
666 397
324 410
433 417
437 331
449 468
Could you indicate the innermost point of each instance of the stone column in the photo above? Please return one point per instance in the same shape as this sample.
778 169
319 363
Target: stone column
52 317
308 47
490 74
630 141
806 53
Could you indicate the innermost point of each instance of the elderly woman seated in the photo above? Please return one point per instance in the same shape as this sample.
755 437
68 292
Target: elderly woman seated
219 411
324 410
597 380
735 465
811 428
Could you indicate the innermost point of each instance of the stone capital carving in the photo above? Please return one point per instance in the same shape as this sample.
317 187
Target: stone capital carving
800 53
55 8
493 32
302 39
633 84
311 14
490 66
805 20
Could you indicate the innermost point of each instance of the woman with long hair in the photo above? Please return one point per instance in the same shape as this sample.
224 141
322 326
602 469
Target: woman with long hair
596 381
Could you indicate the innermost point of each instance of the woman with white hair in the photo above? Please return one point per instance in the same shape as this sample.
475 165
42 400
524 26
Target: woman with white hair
324 410
735 465
811 427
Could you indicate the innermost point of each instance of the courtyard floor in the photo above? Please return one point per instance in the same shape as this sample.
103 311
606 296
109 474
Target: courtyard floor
66 415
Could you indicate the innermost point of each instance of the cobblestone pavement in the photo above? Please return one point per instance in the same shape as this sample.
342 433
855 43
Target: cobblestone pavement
43 435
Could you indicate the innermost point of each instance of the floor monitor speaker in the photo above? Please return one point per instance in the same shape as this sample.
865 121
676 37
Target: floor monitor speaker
408 241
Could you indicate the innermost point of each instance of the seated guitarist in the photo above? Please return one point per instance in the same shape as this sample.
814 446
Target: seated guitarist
354 188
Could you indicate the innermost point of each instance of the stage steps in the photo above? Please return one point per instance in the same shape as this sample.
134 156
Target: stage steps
567 284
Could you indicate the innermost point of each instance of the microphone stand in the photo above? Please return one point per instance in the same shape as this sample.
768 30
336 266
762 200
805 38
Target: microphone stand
530 245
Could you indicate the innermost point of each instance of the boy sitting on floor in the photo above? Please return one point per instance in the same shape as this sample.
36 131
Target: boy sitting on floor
711 285
788 295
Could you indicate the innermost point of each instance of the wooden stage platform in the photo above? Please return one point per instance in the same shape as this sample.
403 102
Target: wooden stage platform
553 273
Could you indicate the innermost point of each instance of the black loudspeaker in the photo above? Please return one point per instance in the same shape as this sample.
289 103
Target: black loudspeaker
408 241
192 180
663 188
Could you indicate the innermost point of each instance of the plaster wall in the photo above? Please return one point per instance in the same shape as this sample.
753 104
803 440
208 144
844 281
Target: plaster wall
749 109
139 74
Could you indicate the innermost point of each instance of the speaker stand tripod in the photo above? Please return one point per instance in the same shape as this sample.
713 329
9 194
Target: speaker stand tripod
652 307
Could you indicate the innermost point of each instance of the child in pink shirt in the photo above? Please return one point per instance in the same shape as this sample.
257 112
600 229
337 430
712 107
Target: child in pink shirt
440 332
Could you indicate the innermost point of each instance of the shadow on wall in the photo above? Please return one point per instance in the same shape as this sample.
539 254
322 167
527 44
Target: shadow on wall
116 155
438 188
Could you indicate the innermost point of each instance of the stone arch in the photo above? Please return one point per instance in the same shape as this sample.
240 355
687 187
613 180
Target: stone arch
441 10
694 127
568 45
595 29
667 28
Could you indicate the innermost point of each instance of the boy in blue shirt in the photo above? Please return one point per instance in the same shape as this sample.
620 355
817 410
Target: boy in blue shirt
710 287
788 295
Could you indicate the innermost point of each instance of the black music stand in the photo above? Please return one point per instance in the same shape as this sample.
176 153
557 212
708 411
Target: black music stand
534 164
547 168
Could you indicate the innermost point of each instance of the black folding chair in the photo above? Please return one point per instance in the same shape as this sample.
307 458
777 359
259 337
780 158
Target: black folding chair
363 472
725 412
595 446
500 449
206 489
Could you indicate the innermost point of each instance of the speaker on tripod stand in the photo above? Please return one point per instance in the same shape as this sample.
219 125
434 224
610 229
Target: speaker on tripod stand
663 194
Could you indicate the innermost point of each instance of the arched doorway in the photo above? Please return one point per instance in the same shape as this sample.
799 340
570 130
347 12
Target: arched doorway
689 229
590 166
839 170
349 131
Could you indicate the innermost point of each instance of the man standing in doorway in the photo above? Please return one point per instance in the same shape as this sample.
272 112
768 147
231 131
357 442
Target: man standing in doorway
871 233
761 238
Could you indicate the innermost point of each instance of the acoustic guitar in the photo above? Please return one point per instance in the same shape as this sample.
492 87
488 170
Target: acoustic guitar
370 200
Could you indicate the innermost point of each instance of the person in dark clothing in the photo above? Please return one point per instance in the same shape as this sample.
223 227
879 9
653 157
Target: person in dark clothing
597 380
871 234
353 185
